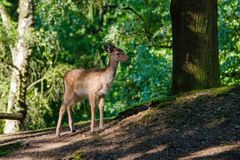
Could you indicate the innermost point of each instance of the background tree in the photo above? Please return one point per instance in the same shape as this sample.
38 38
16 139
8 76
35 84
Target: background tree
195 45
21 52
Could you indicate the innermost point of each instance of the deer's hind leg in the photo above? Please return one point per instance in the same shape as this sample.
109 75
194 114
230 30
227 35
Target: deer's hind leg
92 100
68 99
75 100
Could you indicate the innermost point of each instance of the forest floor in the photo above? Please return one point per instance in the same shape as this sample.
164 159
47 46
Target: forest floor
196 125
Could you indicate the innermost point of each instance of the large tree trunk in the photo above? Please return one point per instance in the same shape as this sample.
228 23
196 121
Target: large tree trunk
195 46
20 56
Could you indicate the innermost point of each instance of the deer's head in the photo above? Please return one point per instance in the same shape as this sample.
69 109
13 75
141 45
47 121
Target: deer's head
116 53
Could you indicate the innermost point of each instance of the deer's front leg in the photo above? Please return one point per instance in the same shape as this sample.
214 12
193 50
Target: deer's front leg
61 114
92 101
101 110
70 121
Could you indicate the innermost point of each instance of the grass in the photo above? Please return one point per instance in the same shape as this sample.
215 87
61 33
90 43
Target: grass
161 99
222 90
150 116
155 100
78 155
216 91
7 148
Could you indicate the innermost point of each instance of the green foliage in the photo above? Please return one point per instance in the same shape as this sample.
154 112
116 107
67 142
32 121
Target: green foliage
71 33
1 126
8 148
147 77
229 42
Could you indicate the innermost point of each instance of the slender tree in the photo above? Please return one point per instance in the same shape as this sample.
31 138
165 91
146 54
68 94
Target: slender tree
21 52
195 45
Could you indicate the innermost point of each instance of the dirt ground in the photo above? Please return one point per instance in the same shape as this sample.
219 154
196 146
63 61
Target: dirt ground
199 126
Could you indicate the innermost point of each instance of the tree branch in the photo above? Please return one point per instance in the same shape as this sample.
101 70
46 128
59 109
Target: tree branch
165 46
102 12
135 12
9 64
34 83
12 116
5 16
146 29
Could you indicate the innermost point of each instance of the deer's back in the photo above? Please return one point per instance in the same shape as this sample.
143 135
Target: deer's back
83 81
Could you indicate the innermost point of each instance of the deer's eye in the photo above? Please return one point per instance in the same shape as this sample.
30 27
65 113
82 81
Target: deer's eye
118 54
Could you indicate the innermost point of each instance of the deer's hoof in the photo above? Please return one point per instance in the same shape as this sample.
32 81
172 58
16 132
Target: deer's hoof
101 128
57 133
73 130
92 132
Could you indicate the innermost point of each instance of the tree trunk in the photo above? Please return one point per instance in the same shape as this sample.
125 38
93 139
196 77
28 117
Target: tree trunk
20 56
195 45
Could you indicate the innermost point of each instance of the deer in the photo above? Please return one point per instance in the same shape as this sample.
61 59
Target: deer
91 83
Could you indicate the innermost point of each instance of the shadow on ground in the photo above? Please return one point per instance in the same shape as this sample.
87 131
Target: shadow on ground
199 126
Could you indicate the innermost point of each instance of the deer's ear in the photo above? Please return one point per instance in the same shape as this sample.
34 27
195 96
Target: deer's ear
108 48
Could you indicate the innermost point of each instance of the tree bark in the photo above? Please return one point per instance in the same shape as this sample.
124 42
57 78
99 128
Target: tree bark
20 56
195 45
5 17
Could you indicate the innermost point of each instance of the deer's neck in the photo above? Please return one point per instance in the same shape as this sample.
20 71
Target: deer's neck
111 70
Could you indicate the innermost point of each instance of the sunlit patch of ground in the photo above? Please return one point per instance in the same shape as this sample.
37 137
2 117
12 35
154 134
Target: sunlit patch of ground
212 151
